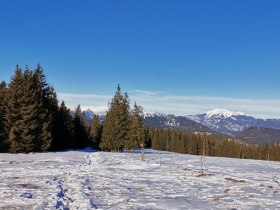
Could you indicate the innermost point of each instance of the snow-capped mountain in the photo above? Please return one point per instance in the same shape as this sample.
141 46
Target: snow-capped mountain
222 113
229 122
91 111
216 121
154 119
159 120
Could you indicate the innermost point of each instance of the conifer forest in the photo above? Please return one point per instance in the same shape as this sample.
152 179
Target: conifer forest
33 120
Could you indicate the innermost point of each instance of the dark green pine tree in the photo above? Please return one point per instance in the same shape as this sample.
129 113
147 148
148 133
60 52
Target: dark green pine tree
95 132
81 138
49 117
63 129
13 118
30 111
136 134
48 109
148 139
154 135
3 134
108 133
117 123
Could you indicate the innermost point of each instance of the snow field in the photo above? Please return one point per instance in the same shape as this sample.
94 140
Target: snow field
100 180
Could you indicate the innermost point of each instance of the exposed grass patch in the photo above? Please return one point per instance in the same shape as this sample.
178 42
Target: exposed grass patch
141 189
201 175
28 186
226 190
186 169
235 180
16 207
216 200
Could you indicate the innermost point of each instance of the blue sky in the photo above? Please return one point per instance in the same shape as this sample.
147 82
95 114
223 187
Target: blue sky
199 53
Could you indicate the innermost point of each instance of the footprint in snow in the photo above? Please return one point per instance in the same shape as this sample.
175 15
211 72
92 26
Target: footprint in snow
27 195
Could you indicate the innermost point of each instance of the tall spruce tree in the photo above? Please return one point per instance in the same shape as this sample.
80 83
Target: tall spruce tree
95 132
13 117
30 110
63 129
117 123
80 130
48 109
136 134
30 107
3 134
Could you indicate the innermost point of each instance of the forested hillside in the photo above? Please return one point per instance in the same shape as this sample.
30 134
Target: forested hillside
31 120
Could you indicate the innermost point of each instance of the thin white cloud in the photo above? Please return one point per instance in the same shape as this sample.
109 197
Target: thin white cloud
180 105
72 100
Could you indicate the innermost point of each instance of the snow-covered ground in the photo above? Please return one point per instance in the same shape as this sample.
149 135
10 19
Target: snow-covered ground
100 180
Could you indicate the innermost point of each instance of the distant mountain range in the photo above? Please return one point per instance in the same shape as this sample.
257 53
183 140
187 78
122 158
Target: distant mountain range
260 135
91 111
219 122
159 120
232 122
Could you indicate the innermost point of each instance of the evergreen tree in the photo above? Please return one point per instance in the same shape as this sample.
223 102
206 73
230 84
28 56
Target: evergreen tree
162 140
154 135
117 123
80 130
63 129
148 140
95 132
3 134
136 134
30 110
13 117
48 109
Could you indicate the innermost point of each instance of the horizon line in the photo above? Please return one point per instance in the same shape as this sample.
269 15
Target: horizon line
180 105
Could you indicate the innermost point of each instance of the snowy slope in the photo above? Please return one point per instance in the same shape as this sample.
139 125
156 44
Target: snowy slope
99 180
